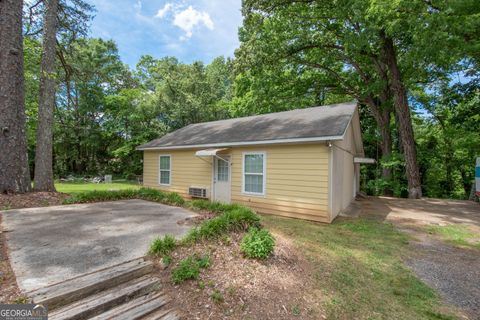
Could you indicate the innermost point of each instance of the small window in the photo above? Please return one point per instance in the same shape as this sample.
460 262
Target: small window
222 170
164 176
254 173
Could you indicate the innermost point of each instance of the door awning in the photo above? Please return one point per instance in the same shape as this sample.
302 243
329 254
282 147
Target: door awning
363 160
208 152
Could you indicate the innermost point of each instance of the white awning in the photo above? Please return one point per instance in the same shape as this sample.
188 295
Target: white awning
363 160
208 152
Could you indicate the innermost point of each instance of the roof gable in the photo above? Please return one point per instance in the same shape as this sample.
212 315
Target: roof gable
322 123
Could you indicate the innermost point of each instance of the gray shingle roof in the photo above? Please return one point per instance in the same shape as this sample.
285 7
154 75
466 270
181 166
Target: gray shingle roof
309 123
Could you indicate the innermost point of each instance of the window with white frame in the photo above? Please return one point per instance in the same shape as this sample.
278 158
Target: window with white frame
254 173
164 170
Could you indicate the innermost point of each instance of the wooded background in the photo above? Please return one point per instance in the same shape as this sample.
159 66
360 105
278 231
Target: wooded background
412 66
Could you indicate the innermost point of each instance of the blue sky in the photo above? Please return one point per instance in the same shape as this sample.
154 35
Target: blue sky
189 30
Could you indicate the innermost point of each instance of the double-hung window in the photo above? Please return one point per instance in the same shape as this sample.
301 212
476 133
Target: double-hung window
254 173
164 176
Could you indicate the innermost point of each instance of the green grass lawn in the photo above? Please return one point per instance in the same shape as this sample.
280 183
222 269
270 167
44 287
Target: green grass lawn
78 187
359 269
460 235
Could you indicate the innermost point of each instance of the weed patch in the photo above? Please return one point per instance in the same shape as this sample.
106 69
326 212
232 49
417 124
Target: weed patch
257 244
189 268
162 246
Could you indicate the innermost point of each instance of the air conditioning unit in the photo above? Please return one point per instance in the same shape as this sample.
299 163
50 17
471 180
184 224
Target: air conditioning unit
198 192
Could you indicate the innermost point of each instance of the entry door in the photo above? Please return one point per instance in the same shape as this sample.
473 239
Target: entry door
221 180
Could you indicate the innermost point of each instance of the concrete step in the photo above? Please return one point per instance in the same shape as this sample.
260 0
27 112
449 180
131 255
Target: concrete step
75 289
136 308
105 300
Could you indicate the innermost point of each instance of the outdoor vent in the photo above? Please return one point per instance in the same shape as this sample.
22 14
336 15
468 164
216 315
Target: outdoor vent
198 192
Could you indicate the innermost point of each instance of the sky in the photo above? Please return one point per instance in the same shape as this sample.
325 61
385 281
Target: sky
190 30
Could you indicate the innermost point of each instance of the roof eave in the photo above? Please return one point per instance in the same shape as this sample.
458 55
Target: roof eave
245 143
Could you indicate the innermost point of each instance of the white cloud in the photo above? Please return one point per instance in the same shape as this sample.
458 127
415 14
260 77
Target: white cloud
162 12
189 18
138 6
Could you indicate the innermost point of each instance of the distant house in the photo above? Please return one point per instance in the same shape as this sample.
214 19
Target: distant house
302 163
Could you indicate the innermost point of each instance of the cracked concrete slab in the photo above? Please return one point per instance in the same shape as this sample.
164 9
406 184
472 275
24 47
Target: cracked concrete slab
51 244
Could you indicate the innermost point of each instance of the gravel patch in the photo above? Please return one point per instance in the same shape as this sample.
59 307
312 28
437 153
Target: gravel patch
454 272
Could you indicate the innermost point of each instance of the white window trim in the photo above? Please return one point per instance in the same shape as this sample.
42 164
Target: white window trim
264 183
160 170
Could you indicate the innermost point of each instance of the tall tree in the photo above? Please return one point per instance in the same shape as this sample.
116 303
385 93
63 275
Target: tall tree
14 173
44 144
368 48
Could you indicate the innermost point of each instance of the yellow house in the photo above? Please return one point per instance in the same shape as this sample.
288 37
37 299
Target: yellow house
302 163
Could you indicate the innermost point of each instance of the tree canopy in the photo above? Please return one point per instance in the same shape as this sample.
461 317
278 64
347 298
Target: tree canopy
409 64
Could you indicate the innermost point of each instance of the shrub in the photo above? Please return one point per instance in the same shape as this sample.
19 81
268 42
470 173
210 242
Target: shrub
175 199
257 244
236 219
151 194
212 206
142 193
241 218
189 268
160 247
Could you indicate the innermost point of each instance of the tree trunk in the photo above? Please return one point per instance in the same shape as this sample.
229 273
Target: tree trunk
46 103
14 172
381 114
386 147
404 120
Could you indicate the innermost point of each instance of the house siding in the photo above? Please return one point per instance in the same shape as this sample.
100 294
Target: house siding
343 172
186 170
297 178
296 181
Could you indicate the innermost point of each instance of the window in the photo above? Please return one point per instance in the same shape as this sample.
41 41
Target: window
164 169
222 170
254 173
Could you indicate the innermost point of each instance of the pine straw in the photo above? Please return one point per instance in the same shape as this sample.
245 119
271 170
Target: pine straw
31 200
278 288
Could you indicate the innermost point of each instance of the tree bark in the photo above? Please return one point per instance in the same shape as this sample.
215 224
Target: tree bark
14 172
386 147
381 113
404 120
46 103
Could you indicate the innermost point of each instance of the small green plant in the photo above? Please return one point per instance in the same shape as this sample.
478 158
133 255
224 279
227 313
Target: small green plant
296 310
204 261
166 260
217 296
189 268
162 246
201 285
21 300
257 244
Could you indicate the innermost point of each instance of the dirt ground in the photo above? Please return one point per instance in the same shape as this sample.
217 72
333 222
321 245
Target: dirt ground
31 200
452 270
423 211
9 291
277 288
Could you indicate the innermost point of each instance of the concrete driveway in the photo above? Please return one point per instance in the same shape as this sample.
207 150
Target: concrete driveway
52 244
